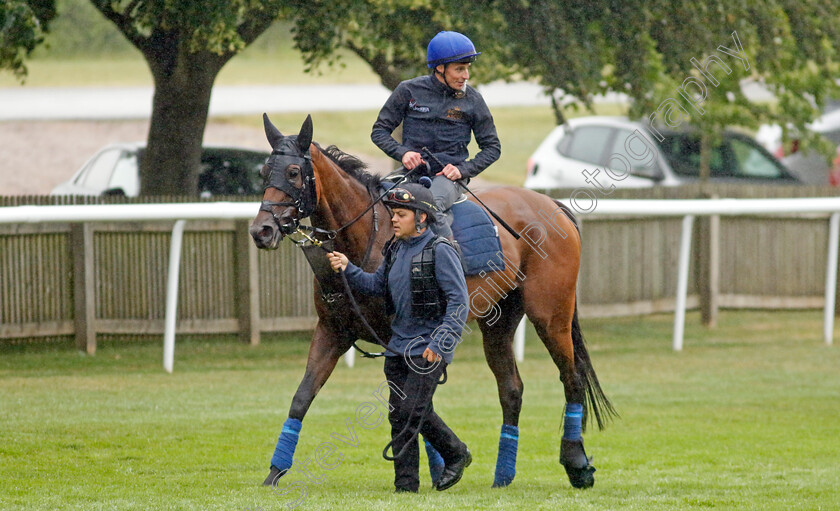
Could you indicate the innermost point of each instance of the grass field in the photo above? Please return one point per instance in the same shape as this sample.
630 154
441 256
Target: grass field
283 68
744 418
520 129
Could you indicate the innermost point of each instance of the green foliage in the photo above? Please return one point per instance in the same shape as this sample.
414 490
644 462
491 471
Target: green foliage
745 418
100 38
22 28
643 48
222 28
579 49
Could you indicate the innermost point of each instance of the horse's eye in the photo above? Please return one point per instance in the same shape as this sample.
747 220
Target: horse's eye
293 173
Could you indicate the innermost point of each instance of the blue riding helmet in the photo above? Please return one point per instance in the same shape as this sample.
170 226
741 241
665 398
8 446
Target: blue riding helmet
448 47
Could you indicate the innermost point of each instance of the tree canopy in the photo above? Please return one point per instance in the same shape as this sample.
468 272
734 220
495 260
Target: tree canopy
677 60
185 44
650 50
22 28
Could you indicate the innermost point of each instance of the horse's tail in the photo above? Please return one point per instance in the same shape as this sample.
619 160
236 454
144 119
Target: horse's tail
594 398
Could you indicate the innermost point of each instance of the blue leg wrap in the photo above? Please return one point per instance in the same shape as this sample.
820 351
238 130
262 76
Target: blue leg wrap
572 421
286 444
506 462
435 461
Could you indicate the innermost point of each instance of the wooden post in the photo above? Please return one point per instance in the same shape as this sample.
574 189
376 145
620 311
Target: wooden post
84 289
247 284
708 250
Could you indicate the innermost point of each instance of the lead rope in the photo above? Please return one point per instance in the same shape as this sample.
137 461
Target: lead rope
355 306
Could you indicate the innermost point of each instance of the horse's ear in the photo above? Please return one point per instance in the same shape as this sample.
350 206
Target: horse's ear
305 135
271 132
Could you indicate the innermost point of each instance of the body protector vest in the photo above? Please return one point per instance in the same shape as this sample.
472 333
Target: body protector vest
428 301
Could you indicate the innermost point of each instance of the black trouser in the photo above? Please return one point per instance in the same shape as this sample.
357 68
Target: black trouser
405 416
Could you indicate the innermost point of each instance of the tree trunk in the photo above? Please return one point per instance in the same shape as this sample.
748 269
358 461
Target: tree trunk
559 118
183 85
705 158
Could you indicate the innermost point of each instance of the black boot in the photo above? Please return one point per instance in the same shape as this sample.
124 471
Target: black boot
452 473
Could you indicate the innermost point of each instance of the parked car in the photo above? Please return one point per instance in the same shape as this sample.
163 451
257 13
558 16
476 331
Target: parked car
114 170
810 166
573 151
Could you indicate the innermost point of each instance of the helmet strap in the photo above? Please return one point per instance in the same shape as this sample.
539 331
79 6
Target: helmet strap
457 93
418 224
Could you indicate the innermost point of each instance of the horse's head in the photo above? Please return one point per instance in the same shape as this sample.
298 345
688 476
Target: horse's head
289 181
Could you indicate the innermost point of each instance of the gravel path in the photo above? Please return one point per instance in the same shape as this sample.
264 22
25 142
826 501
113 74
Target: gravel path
35 156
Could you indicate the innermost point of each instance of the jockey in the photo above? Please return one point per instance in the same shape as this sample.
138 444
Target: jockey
440 111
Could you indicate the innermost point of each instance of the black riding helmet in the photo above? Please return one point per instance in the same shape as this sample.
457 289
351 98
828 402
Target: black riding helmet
413 196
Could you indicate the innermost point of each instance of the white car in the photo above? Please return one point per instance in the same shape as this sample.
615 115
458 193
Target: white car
114 170
809 166
606 152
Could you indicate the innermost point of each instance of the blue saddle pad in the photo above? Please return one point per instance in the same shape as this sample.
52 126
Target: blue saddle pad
478 238
476 234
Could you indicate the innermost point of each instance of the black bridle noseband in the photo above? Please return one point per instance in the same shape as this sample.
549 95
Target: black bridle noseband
304 198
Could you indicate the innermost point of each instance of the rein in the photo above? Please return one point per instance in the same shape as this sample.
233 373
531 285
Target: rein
305 200
307 240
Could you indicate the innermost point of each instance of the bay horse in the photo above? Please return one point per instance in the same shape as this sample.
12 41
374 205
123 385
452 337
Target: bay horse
539 280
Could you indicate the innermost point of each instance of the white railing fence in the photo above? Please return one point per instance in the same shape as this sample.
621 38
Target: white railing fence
688 209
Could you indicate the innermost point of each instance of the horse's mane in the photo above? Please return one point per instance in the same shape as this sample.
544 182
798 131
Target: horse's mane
351 165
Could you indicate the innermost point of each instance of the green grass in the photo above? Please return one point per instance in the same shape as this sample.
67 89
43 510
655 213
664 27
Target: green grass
744 418
282 68
520 129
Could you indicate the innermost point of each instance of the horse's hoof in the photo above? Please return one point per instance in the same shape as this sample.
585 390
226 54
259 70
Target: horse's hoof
581 478
273 476
577 464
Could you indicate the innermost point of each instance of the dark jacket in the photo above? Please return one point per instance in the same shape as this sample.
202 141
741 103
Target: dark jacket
405 327
433 117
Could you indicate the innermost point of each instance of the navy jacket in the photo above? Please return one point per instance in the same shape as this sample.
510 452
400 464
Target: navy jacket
405 327
433 117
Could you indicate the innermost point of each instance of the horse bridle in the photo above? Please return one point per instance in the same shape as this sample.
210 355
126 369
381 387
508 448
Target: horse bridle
304 198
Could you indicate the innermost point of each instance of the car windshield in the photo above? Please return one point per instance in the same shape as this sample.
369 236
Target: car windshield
226 171
752 163
230 172
682 151
737 157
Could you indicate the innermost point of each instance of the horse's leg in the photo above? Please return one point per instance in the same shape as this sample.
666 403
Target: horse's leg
550 305
498 350
324 351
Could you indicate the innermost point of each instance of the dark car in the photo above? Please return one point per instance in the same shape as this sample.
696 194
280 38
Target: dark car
114 170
